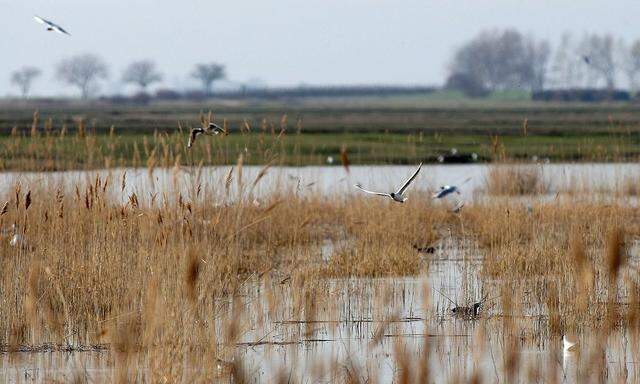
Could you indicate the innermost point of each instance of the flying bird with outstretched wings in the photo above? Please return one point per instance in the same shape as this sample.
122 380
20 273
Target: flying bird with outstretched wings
51 26
398 195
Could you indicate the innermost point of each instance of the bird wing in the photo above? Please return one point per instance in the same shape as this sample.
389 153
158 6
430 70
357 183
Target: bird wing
60 30
216 128
371 192
458 207
41 20
409 180
442 192
192 137
465 181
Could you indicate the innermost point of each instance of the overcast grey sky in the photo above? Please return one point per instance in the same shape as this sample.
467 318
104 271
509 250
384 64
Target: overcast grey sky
284 42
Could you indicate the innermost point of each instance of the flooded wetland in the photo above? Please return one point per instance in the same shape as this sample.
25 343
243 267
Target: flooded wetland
275 274
341 192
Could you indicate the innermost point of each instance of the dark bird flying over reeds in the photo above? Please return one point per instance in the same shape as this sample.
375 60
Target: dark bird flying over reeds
208 128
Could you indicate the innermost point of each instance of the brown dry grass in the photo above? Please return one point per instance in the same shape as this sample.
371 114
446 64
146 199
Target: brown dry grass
157 280
515 179
163 281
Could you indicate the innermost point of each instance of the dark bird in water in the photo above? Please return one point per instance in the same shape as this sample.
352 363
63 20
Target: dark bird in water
465 312
51 26
430 249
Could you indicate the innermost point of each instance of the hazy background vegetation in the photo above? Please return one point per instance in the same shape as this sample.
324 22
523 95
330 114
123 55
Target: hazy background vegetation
120 52
395 83
495 61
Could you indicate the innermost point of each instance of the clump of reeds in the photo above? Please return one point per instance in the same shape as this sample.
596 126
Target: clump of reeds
615 253
516 179
630 186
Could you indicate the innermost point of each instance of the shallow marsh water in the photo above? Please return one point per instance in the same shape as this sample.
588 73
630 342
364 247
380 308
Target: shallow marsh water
329 180
366 325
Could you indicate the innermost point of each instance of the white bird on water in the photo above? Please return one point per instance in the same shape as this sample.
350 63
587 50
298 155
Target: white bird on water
51 26
447 190
569 344
17 239
397 195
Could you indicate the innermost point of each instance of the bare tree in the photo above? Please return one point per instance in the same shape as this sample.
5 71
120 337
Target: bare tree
599 56
142 73
501 60
631 64
561 68
82 71
208 74
535 63
24 77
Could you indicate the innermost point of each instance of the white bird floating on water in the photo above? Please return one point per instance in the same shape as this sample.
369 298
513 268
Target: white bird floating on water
51 26
569 344
18 240
211 129
399 194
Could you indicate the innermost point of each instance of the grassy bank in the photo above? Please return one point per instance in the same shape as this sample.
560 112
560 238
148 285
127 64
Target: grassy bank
50 147
375 131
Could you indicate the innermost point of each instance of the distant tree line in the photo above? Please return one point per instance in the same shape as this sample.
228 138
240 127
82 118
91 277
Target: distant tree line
86 71
494 60
274 93
497 60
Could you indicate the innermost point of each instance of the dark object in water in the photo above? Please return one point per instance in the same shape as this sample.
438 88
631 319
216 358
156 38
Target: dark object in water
472 312
467 312
430 249
458 158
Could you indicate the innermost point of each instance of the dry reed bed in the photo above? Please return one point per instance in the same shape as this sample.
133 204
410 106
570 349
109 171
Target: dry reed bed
45 147
515 179
166 276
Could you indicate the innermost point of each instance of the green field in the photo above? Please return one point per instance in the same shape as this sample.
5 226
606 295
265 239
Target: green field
374 130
